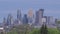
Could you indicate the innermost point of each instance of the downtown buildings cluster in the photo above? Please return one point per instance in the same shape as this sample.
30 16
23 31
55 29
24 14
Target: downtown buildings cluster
32 19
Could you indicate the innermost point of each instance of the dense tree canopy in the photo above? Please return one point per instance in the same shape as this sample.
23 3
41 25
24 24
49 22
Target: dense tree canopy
26 30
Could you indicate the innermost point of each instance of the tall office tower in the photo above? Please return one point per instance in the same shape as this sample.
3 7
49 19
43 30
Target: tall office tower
25 19
56 21
30 16
4 24
19 15
51 22
9 20
4 21
39 16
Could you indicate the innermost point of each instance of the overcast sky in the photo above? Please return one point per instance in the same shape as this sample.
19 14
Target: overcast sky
51 7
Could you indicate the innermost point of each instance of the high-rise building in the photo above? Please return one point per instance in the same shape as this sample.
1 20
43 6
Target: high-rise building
30 16
51 22
39 16
25 19
19 15
30 13
4 21
9 23
9 20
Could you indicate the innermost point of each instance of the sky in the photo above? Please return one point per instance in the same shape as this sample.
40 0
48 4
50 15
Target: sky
51 7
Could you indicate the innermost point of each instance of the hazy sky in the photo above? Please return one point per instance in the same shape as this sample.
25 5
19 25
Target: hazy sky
52 7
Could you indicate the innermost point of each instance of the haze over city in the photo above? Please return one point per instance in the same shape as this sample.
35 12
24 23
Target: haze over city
51 7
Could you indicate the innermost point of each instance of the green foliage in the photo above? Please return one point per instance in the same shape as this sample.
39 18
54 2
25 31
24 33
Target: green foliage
58 22
21 29
44 29
13 32
35 31
50 31
53 31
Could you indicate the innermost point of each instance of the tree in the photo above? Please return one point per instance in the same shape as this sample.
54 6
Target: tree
44 29
58 25
35 31
53 31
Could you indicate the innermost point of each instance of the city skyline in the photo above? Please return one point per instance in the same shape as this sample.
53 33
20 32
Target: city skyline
22 14
51 7
35 20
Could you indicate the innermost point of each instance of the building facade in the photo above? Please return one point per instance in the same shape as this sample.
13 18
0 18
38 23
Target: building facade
51 22
25 19
39 16
19 17
30 17
9 20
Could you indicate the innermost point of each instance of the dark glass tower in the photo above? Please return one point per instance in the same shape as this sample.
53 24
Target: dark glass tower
18 14
25 19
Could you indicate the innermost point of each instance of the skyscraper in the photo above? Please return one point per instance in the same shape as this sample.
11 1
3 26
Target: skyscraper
39 16
25 19
51 22
30 16
4 21
9 20
9 23
19 15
